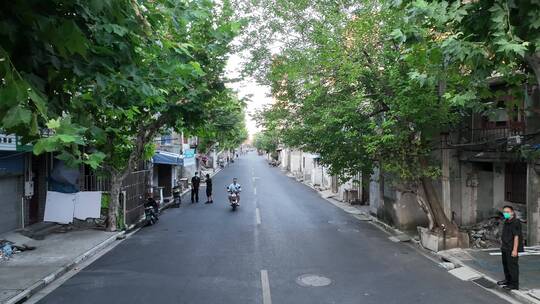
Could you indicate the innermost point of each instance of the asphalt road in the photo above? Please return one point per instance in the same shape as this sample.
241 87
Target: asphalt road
283 230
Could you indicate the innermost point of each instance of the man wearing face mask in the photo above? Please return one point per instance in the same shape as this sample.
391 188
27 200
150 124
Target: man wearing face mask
511 245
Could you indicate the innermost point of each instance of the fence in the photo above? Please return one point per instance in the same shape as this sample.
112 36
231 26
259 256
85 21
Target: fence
493 132
134 188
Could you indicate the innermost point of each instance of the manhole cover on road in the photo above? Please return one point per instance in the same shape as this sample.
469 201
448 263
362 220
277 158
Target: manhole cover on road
313 280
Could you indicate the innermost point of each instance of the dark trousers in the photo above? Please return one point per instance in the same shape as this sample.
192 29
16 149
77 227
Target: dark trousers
195 194
511 268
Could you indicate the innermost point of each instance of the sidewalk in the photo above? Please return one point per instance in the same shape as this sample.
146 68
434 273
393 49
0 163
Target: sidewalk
490 266
481 263
29 271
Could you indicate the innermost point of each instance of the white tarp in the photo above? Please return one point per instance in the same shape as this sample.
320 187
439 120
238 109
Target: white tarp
59 207
87 205
63 207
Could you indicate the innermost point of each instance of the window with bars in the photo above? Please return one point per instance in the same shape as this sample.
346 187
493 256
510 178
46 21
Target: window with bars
515 183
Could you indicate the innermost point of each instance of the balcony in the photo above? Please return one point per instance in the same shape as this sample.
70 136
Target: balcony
495 131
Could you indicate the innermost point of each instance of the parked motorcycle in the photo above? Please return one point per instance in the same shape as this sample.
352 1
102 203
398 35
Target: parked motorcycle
274 163
177 196
151 212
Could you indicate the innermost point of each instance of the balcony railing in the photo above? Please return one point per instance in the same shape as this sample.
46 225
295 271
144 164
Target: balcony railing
493 132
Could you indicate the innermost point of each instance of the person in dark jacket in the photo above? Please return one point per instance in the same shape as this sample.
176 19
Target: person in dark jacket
209 198
511 245
195 183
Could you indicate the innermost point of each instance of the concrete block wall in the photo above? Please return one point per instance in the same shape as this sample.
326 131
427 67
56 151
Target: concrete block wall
296 162
308 166
375 199
11 191
533 204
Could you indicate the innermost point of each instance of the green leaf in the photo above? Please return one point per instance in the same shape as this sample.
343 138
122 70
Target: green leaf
95 159
34 128
12 94
116 29
46 145
71 38
534 16
197 68
39 102
17 116
70 159
398 35
183 48
236 26
511 48
66 138
53 124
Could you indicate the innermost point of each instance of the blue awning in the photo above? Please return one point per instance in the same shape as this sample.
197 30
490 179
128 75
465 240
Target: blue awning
11 163
167 158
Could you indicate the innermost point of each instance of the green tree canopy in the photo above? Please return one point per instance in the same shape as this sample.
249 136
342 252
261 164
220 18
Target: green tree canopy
225 126
376 83
104 77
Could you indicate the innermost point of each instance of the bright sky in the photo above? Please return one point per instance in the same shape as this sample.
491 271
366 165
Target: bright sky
257 94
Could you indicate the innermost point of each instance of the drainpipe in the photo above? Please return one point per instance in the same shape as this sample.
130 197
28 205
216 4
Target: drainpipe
444 236
22 212
124 203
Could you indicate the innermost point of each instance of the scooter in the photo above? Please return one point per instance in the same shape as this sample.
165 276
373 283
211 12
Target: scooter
151 212
234 201
177 191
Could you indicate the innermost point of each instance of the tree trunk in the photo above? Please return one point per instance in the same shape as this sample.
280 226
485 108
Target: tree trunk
145 135
114 203
425 207
534 62
433 207
435 210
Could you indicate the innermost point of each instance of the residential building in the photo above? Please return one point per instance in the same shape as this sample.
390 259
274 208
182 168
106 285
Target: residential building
483 168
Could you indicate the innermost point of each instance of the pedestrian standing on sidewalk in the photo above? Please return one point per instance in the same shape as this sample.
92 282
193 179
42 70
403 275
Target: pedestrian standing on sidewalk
195 183
511 245
209 198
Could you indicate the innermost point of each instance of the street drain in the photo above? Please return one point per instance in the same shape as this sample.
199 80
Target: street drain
484 283
313 280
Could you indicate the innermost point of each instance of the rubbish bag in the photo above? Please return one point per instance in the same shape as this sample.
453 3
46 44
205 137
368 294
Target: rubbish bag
7 251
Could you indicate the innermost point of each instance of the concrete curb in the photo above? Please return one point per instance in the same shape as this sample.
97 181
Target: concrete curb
518 295
37 286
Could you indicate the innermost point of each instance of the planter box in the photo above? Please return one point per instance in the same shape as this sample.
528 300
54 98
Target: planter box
435 241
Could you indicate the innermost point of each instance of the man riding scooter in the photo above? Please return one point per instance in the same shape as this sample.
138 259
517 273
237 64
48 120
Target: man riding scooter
234 190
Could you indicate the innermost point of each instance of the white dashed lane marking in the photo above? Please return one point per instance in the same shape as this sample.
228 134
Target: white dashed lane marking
258 216
265 284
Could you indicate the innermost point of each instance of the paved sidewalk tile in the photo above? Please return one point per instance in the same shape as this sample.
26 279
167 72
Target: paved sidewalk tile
24 269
